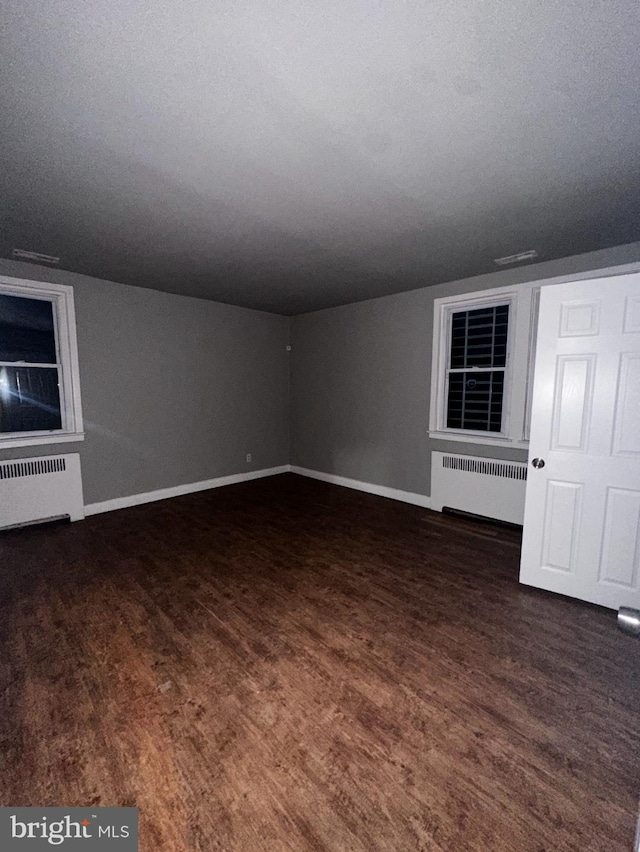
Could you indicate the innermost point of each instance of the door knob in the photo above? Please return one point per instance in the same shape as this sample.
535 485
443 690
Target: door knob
538 463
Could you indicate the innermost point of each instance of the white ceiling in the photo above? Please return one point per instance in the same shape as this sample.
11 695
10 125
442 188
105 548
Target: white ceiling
294 155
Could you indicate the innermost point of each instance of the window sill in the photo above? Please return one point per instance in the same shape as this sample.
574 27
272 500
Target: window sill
40 440
479 439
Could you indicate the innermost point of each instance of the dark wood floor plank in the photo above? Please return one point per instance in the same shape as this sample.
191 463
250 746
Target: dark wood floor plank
287 665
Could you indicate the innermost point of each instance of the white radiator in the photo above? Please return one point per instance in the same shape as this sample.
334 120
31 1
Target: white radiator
40 489
488 487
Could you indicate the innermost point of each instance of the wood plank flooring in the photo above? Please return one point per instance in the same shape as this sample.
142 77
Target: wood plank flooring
288 665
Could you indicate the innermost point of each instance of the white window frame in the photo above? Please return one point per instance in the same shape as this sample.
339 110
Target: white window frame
61 298
522 300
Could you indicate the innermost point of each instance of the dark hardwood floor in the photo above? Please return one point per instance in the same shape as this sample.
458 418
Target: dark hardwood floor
288 665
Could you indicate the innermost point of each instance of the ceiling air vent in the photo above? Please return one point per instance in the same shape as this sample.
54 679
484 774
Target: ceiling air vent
516 258
36 256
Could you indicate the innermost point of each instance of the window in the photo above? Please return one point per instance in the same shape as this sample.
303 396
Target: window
39 382
476 368
482 353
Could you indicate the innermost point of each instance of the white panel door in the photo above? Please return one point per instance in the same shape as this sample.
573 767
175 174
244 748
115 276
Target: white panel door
582 509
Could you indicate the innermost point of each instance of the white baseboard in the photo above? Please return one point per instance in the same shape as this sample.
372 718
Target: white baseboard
179 490
219 482
380 490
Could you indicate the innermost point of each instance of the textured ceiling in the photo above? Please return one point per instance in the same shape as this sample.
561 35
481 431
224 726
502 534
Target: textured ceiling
291 155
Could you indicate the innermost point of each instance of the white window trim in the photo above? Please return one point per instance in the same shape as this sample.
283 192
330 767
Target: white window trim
519 299
517 399
66 341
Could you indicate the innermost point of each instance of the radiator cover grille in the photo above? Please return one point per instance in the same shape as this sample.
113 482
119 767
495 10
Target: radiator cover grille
14 470
488 467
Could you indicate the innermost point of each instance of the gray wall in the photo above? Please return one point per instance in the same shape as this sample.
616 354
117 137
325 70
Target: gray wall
177 390
174 389
360 379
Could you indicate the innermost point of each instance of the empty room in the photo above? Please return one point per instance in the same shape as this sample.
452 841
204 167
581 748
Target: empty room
320 426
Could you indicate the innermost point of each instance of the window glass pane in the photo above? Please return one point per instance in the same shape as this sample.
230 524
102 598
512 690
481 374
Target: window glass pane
26 330
29 399
475 401
479 337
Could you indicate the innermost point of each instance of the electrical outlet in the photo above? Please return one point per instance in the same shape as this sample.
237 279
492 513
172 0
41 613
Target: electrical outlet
248 457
